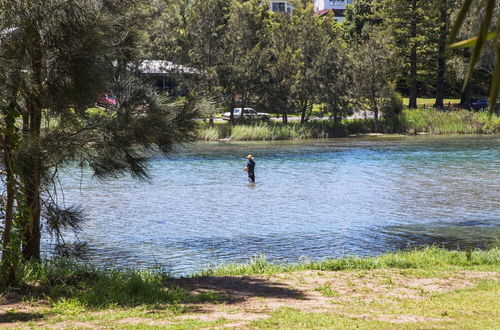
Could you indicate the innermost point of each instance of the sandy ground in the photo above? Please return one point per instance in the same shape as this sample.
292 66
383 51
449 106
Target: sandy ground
253 298
250 298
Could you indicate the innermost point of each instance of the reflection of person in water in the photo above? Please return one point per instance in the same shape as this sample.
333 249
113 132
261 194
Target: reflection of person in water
250 169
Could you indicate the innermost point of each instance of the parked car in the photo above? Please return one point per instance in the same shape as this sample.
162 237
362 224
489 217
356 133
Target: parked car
478 104
106 100
248 113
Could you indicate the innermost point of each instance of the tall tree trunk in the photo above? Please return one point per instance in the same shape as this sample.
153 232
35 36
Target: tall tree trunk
285 114
441 55
464 97
413 57
375 114
303 111
376 121
32 174
8 275
335 112
10 182
231 113
32 181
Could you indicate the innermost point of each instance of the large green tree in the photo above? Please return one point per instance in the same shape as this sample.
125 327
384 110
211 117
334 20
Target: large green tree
375 67
55 57
358 15
310 43
446 9
410 22
334 72
240 75
282 61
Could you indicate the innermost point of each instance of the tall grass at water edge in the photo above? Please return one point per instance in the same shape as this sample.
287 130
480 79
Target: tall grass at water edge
409 122
455 122
271 131
429 258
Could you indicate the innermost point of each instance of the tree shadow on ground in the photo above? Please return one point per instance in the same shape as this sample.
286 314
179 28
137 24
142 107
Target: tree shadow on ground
12 317
129 290
236 288
10 303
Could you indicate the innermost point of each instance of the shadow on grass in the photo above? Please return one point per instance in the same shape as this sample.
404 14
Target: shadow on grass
236 289
70 285
12 317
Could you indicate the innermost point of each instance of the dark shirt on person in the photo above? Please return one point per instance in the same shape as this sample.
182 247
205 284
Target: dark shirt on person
251 166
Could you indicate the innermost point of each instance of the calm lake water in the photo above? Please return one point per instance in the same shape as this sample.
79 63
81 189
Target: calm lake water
313 199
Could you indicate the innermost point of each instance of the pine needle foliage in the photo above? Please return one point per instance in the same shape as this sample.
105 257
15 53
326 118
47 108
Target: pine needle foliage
55 58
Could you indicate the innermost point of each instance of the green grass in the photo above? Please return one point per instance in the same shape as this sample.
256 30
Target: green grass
473 308
430 258
327 290
78 295
73 286
429 101
409 122
270 131
456 122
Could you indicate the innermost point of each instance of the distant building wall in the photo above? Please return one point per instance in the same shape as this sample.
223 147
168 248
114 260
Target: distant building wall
331 4
280 6
321 7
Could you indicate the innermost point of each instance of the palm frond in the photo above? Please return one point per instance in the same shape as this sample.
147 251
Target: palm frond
478 43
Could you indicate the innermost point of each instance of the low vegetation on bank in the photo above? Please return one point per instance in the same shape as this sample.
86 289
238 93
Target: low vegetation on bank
431 258
460 290
409 122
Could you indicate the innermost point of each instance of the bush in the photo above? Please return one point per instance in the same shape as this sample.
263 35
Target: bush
393 106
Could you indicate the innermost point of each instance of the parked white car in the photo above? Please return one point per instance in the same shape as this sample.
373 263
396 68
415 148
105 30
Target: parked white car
248 113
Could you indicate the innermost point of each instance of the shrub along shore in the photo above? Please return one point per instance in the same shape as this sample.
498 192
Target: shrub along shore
416 121
460 290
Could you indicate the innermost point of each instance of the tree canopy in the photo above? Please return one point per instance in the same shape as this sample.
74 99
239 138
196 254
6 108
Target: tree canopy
55 58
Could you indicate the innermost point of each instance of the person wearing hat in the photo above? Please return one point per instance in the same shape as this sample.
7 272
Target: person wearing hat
250 169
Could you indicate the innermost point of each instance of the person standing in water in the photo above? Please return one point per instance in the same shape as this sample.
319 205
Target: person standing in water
250 169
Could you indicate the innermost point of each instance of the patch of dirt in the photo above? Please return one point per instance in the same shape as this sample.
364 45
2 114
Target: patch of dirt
402 318
251 298
146 321
71 324
213 313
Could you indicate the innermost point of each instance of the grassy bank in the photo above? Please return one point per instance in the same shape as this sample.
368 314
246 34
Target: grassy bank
409 122
431 258
425 288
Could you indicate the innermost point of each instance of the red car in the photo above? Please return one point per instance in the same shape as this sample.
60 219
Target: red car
106 100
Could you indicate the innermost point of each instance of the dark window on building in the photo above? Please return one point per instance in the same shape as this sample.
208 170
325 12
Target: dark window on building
279 7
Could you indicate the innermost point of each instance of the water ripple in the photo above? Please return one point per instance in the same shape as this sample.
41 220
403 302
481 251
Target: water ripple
313 199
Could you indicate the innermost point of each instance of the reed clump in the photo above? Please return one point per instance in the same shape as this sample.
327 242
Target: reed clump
410 121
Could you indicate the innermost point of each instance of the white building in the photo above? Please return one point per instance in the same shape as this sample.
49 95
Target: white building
321 7
331 4
280 6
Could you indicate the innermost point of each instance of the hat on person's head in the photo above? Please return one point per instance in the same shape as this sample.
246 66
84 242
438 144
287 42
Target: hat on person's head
249 157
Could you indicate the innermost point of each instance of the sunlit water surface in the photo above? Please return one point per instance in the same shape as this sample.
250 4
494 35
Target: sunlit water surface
313 199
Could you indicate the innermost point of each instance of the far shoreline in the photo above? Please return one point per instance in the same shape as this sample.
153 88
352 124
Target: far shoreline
408 123
364 136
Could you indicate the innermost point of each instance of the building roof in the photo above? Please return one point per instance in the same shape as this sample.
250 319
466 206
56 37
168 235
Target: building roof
336 12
